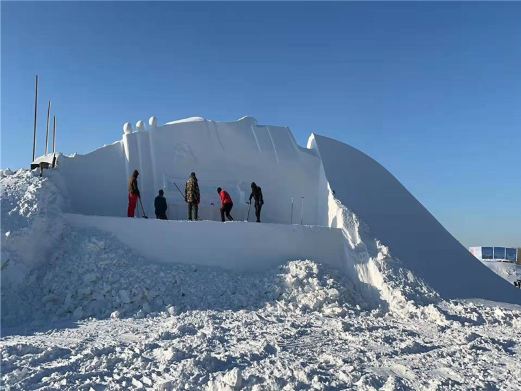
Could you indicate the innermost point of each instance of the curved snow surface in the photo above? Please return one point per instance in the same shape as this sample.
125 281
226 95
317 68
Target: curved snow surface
411 233
80 310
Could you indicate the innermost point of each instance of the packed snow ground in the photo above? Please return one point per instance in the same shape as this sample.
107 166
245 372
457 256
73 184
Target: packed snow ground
95 315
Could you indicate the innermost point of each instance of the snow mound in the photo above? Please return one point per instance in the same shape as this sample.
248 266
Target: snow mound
509 271
31 209
396 287
96 276
90 313
403 225
92 274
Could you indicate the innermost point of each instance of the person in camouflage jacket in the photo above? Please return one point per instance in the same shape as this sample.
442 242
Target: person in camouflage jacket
192 196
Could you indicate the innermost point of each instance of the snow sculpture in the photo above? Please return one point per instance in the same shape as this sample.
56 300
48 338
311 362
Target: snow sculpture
140 126
152 122
127 128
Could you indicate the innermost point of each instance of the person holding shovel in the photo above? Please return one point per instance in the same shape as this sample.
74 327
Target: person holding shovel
256 194
192 196
226 204
133 194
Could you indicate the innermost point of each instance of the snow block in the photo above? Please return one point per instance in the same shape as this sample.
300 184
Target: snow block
236 246
230 155
403 224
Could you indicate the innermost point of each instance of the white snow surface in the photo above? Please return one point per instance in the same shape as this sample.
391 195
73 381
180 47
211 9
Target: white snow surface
508 270
410 233
352 301
235 245
184 120
82 310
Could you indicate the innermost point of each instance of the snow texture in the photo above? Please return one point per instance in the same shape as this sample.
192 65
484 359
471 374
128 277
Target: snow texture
91 302
223 154
400 221
173 241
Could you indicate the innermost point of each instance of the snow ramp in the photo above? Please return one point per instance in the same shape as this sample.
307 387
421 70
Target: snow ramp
403 224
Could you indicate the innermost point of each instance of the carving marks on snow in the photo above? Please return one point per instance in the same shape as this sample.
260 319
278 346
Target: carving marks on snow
255 138
273 144
216 131
183 154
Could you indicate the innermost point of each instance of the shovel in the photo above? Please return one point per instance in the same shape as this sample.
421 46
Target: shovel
142 209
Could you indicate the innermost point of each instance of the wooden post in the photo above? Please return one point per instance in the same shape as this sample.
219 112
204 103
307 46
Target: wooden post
35 113
47 132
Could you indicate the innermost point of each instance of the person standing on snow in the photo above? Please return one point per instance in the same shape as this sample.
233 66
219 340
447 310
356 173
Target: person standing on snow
192 196
133 194
160 206
256 194
226 204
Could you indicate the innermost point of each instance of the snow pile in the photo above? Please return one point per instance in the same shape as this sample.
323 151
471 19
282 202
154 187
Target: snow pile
96 276
509 271
306 286
387 280
394 218
31 212
272 348
93 274
93 313
31 225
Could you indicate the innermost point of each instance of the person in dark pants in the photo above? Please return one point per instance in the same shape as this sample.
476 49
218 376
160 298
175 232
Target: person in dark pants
192 196
133 194
226 204
256 194
160 206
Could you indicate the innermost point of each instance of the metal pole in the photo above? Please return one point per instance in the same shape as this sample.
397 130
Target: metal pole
47 132
291 214
53 134
301 209
35 113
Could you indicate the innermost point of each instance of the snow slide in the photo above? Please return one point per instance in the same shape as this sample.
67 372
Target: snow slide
399 221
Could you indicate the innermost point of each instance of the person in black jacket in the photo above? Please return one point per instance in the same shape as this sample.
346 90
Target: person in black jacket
256 194
160 206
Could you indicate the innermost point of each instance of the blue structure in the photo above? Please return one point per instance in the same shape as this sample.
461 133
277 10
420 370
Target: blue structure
505 254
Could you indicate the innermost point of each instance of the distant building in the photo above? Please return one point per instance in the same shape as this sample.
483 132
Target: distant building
501 254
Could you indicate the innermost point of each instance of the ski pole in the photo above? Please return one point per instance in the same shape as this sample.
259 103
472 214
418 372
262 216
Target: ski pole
249 207
142 209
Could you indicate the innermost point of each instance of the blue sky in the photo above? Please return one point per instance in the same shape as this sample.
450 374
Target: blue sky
430 90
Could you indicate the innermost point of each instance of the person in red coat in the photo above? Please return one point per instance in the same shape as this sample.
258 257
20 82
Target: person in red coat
226 204
133 194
